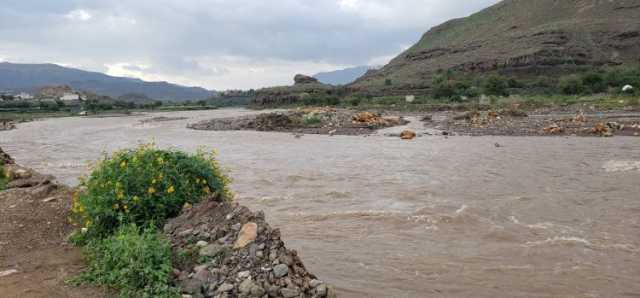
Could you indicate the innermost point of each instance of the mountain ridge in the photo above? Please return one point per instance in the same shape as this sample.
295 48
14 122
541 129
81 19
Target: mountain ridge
519 37
30 77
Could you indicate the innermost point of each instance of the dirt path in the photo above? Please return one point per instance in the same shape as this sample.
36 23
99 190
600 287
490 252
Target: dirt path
35 260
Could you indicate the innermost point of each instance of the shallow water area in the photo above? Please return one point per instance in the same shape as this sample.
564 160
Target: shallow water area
377 216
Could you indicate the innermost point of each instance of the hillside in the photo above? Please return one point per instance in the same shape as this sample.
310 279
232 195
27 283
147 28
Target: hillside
342 76
33 76
519 37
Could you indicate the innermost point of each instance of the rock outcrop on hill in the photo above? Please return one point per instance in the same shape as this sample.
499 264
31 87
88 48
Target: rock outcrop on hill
301 79
519 37
304 87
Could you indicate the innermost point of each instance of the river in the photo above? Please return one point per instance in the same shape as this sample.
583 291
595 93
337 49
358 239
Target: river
434 217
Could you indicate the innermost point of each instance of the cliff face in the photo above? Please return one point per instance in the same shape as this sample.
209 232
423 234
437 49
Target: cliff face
522 37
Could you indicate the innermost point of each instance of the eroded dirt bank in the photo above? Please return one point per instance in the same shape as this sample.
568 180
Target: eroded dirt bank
328 121
35 259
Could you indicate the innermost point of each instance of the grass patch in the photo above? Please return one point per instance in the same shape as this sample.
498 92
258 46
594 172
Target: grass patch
134 261
4 180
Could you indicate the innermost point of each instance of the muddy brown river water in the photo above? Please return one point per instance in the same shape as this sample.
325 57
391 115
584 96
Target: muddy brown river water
380 217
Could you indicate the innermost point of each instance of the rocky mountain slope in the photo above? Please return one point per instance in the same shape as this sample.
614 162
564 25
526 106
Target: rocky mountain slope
519 37
34 76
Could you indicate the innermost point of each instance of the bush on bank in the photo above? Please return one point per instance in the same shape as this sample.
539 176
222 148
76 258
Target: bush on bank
124 201
145 185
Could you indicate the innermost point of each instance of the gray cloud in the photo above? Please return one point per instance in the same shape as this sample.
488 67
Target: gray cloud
218 43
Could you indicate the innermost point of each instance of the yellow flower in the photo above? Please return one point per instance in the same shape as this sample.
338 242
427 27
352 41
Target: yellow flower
136 199
151 190
153 181
123 164
120 195
206 190
171 189
160 160
116 206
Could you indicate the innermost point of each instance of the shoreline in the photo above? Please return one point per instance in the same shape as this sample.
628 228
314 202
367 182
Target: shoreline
34 211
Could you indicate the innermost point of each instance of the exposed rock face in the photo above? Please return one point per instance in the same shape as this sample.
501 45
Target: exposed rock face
300 79
520 37
304 87
243 257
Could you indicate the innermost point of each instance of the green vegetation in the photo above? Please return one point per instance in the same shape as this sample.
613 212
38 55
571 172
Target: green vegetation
3 178
141 187
145 185
311 119
497 85
134 261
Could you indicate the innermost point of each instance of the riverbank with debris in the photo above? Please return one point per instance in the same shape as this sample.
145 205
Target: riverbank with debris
221 249
520 123
327 121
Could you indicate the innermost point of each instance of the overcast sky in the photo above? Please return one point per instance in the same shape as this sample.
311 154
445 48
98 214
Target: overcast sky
218 44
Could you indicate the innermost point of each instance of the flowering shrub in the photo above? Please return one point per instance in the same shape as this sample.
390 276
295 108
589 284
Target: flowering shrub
145 186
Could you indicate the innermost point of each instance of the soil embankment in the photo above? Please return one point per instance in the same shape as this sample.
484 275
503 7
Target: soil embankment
327 121
519 123
35 259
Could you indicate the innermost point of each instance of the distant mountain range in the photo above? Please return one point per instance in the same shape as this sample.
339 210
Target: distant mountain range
342 76
30 77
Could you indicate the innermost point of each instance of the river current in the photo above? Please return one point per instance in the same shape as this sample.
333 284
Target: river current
377 216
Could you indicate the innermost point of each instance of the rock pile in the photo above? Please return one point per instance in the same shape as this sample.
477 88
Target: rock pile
408 135
375 120
36 184
5 159
329 121
225 250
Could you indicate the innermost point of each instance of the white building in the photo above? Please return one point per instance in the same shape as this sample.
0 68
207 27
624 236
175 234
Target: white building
24 96
70 97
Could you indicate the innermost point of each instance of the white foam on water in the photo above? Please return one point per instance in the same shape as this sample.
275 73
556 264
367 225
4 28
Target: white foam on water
559 240
613 166
8 272
541 226
462 209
